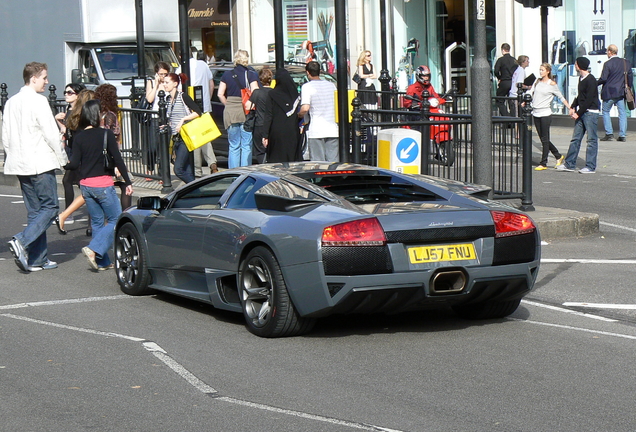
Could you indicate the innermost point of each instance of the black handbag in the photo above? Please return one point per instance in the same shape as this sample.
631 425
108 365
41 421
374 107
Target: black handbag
356 78
629 94
109 161
250 121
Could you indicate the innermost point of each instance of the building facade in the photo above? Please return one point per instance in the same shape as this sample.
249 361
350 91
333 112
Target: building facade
436 33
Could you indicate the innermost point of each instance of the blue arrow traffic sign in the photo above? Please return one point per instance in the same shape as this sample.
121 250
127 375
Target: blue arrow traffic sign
407 150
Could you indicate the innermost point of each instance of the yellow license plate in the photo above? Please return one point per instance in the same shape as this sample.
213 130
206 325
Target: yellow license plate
442 253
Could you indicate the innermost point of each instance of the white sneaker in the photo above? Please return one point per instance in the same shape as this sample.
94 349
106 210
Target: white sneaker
586 170
564 168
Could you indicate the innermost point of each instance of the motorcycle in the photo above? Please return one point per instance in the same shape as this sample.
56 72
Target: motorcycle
441 146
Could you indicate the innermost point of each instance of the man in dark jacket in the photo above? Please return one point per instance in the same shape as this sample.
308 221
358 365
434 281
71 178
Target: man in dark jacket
505 67
613 93
584 110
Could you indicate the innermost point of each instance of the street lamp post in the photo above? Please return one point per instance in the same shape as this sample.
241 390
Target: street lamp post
481 108
184 42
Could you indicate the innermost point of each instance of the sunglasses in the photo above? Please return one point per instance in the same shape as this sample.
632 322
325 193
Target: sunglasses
69 93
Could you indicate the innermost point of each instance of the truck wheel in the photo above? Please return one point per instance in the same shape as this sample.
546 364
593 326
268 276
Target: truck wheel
268 310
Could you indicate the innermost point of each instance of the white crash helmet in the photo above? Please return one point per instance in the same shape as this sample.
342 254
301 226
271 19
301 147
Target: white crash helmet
423 74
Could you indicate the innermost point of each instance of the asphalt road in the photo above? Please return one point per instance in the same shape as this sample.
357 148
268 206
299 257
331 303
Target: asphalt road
77 355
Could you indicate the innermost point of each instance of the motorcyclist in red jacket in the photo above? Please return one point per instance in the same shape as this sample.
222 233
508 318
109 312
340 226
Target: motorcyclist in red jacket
423 76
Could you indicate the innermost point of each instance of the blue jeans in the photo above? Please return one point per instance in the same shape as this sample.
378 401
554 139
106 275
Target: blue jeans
183 162
622 116
104 207
587 123
240 141
40 199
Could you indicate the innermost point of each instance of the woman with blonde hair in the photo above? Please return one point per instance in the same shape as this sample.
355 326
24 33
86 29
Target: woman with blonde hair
367 75
543 91
232 82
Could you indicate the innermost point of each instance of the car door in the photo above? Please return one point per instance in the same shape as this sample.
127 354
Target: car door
175 236
228 226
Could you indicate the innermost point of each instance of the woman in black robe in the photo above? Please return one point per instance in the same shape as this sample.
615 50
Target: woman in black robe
281 134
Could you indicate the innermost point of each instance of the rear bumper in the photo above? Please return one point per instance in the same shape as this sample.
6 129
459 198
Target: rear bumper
397 292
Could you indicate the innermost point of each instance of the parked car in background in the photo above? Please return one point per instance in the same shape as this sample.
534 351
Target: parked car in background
296 70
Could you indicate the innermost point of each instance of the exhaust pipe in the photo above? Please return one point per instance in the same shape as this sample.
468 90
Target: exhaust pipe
448 282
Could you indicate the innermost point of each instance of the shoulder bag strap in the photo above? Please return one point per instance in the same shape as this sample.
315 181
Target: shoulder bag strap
238 82
105 142
185 105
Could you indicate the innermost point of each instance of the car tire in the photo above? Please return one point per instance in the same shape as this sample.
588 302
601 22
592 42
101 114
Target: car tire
487 310
131 262
267 308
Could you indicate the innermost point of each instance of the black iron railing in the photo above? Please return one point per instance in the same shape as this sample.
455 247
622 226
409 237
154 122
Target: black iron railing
449 151
145 137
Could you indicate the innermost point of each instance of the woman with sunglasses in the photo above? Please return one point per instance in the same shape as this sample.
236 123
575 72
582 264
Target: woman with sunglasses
71 92
367 75
151 132
72 123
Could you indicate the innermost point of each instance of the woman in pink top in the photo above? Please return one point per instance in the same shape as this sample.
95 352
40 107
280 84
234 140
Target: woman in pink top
97 184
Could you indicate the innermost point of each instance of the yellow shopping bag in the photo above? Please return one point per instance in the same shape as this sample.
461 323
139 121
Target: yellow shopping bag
199 131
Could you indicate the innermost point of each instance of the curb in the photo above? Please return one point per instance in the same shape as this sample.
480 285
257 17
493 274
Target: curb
555 223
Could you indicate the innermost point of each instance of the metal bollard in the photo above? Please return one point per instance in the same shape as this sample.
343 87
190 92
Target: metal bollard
4 95
356 129
164 144
519 100
426 132
52 99
526 200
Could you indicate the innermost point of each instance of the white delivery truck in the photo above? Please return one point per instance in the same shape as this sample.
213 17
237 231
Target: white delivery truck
86 41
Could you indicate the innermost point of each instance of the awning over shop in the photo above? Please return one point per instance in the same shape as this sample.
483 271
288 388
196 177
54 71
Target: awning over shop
208 13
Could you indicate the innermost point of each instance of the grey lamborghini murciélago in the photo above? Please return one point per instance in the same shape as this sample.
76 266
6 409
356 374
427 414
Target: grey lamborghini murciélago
287 243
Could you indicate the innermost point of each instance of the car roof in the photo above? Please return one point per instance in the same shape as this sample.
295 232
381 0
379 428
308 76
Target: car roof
297 169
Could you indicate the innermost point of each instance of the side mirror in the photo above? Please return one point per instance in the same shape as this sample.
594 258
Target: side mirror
76 76
150 203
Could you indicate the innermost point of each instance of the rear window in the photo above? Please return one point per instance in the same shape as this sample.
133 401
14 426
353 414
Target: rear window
285 189
368 188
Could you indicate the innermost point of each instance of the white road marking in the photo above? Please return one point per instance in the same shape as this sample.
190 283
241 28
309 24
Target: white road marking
78 329
617 226
586 261
185 374
568 311
324 419
602 305
10 196
567 327
67 301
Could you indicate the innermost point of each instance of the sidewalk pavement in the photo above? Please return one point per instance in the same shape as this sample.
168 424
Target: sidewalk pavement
552 222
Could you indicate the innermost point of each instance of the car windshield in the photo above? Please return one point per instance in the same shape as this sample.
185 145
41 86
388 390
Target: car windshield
121 62
368 189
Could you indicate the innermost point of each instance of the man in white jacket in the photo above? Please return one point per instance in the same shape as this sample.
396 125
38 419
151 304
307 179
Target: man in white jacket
33 152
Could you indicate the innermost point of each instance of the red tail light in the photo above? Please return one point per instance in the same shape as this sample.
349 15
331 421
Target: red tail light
509 224
365 232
